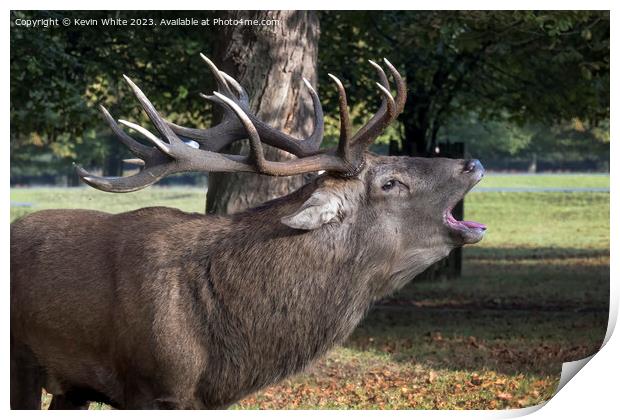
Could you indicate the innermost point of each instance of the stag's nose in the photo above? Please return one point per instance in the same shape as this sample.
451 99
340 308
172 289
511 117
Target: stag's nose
473 165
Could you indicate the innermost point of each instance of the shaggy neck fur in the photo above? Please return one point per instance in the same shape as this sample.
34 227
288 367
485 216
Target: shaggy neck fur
307 292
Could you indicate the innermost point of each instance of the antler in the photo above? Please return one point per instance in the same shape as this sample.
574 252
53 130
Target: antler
230 128
173 155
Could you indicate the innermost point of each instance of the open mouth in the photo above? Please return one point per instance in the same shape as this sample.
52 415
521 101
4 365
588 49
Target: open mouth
468 231
462 224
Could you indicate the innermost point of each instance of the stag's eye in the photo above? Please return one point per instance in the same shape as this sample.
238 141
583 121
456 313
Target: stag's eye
389 185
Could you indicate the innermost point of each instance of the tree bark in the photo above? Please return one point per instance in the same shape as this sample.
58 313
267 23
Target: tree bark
269 61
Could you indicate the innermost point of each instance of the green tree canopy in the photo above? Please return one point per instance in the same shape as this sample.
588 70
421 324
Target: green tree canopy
522 66
59 76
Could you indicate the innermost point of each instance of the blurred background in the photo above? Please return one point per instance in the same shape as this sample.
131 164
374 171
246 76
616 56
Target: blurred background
525 92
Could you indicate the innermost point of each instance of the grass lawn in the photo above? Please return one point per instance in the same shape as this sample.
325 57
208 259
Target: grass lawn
534 293
546 181
26 200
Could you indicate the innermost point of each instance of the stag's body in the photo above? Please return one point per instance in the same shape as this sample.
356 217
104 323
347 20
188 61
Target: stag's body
188 310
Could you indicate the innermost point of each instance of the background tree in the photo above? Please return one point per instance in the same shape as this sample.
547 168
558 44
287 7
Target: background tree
269 61
60 74
503 144
519 67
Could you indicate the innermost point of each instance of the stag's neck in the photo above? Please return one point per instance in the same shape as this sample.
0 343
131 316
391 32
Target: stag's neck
283 296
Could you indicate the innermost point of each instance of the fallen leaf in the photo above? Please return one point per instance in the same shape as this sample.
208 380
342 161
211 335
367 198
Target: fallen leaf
431 377
504 396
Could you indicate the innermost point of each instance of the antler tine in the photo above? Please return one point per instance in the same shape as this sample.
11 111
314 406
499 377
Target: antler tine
401 87
231 129
372 126
124 184
382 76
153 115
256 148
242 94
389 109
165 148
219 77
216 138
391 104
138 162
345 124
315 139
156 164
136 148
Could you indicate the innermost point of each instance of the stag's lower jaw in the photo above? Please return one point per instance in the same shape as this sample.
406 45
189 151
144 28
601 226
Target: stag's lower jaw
468 232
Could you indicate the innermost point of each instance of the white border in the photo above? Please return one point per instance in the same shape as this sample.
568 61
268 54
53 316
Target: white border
593 393
315 5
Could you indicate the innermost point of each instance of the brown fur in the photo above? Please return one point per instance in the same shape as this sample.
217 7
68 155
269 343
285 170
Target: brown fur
156 308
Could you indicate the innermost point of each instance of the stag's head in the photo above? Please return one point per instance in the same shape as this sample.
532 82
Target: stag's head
408 200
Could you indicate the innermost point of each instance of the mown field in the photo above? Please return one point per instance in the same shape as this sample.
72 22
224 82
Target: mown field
570 180
534 293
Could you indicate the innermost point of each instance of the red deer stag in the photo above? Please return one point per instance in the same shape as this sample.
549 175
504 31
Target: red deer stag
156 308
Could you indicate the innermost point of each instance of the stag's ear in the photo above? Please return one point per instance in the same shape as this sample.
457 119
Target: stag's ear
322 207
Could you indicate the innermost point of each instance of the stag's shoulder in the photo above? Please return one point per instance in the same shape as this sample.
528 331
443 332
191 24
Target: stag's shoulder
160 214
158 219
54 218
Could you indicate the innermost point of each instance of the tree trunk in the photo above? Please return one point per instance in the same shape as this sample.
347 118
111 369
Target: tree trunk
415 118
269 61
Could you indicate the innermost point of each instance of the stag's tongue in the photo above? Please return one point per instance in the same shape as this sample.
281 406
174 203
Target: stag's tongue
473 225
468 224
